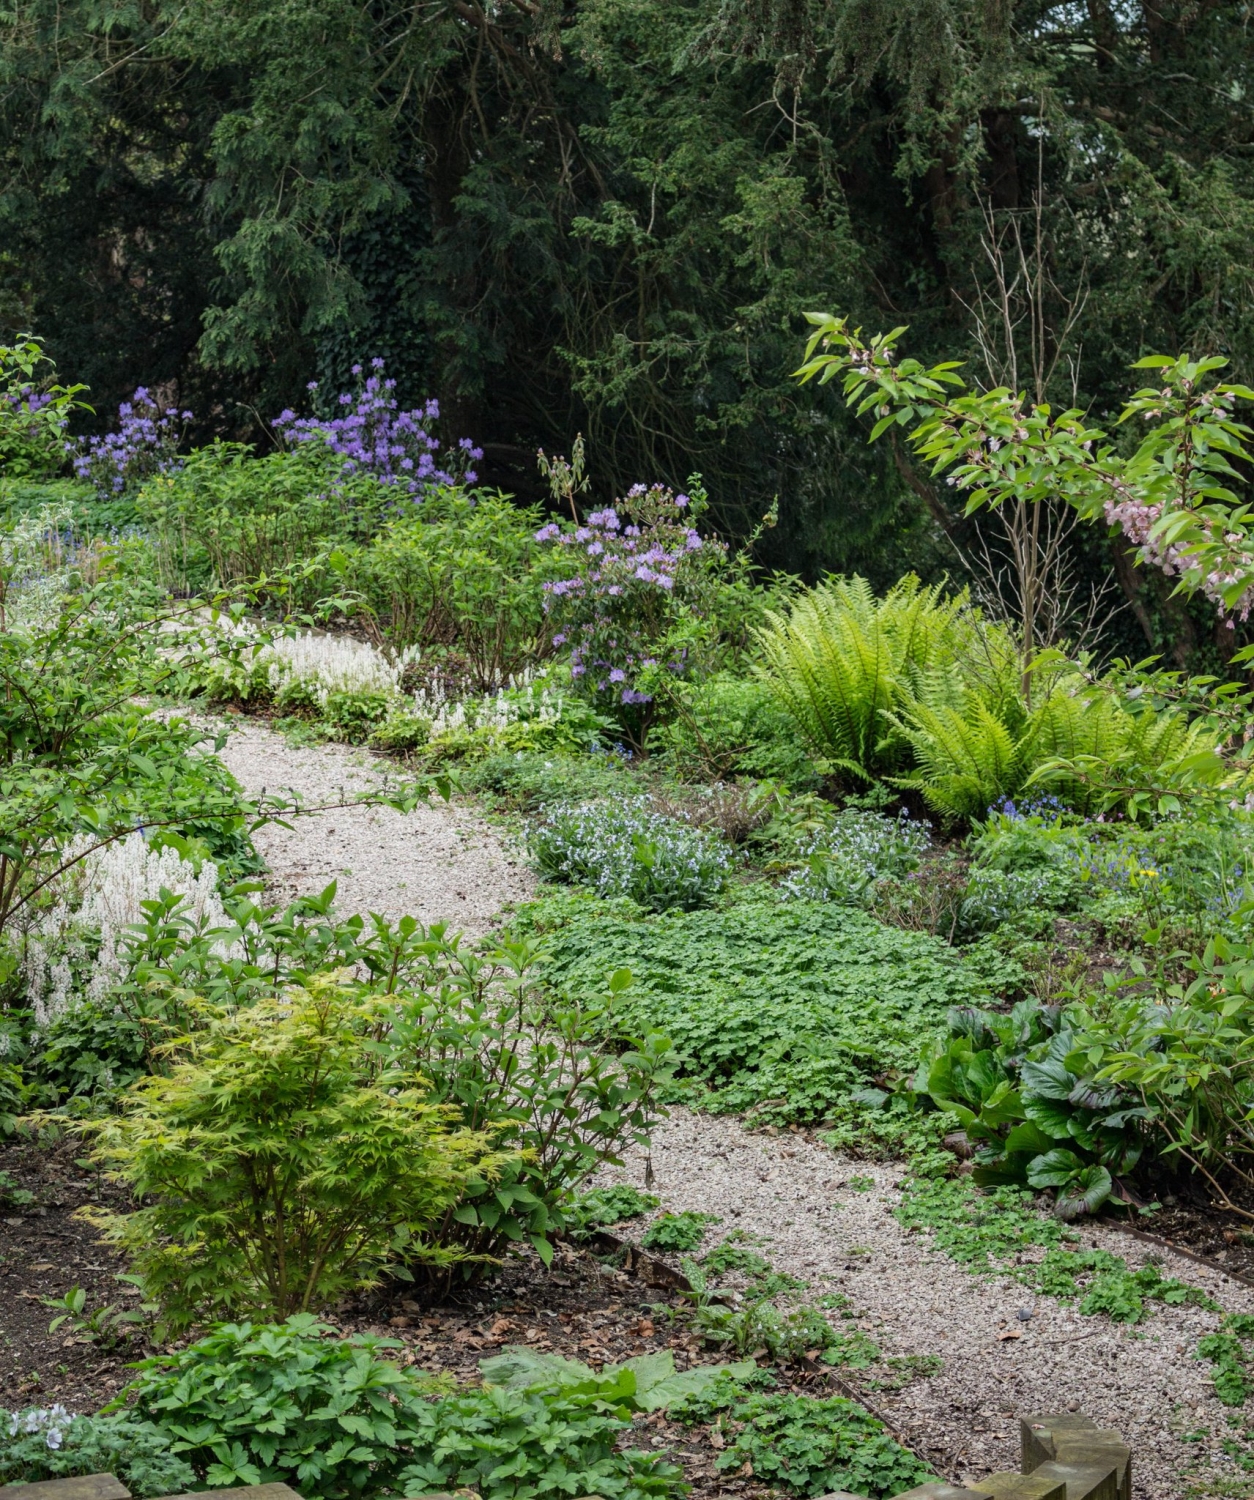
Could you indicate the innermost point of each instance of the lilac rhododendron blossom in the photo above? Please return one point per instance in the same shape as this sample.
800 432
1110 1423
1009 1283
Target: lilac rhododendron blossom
617 578
146 442
374 436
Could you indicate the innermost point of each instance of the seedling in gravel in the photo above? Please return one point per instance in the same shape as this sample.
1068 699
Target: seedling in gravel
1228 1352
602 1207
757 1326
675 1232
988 1233
902 1370
861 1184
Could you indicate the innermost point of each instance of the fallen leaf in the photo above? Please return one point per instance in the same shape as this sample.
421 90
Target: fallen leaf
1009 1333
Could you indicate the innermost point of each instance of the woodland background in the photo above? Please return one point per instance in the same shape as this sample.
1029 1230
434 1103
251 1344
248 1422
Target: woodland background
608 217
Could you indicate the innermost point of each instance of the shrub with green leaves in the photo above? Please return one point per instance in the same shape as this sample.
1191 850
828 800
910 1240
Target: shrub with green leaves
226 515
462 580
40 1444
287 1403
627 849
731 726
277 1166
516 1061
805 1445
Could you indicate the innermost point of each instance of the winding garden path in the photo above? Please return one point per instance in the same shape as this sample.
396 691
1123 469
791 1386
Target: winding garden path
439 863
446 863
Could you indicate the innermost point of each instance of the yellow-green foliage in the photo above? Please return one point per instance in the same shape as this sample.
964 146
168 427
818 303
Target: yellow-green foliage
277 1166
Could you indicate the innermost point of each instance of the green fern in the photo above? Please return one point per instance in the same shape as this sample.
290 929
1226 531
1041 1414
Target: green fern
841 662
969 753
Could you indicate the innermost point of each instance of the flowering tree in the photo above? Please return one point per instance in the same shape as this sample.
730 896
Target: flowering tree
1176 497
634 600
373 436
146 443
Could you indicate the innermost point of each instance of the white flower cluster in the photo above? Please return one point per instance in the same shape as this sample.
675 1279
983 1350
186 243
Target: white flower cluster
98 899
32 559
49 1420
527 698
844 862
628 849
326 664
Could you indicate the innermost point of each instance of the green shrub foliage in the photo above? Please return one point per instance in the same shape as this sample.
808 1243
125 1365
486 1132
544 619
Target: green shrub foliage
287 1402
276 1167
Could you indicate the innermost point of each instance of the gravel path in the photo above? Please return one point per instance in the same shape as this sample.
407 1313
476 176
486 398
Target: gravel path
438 863
444 863
1142 1380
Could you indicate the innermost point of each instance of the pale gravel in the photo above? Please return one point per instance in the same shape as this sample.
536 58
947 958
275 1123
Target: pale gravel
445 863
439 863
1144 1381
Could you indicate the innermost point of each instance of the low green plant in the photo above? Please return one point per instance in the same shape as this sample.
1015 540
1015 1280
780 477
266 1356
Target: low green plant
506 1444
12 1196
603 1207
40 1444
225 515
787 1009
755 1324
1227 1350
649 1382
1103 1283
804 1445
285 1402
984 1231
290 1403
989 1232
681 1231
628 849
107 1326
530 781
276 1167
1031 1110
850 859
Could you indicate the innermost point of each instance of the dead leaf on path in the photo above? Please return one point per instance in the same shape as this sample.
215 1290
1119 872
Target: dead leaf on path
1009 1333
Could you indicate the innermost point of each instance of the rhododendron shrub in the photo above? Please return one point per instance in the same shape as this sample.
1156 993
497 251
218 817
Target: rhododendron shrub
637 600
146 443
372 435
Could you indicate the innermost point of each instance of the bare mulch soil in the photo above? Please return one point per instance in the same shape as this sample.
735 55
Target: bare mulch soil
581 1307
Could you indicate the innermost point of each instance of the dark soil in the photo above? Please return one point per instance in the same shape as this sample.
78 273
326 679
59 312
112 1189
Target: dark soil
45 1252
1193 1222
581 1307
